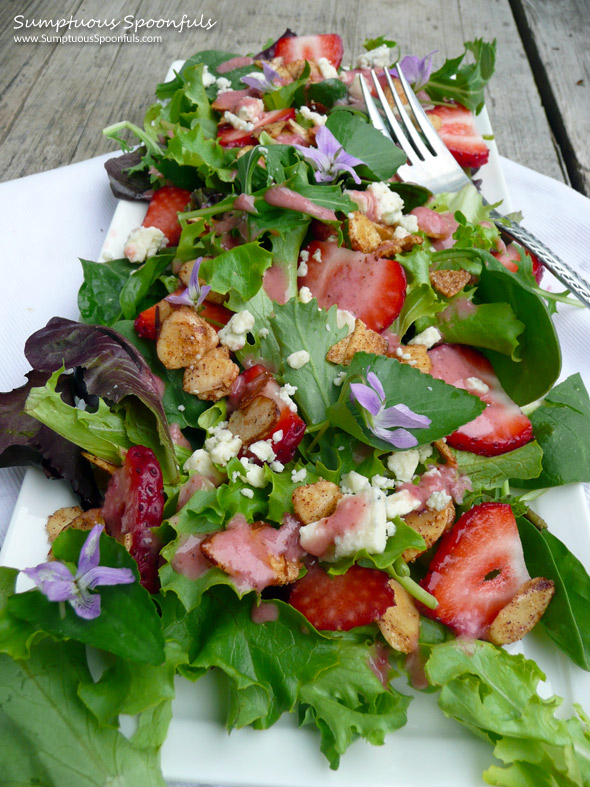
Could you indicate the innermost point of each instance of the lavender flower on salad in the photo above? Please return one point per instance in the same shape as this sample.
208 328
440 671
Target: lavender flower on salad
382 420
264 82
329 158
416 69
57 583
195 293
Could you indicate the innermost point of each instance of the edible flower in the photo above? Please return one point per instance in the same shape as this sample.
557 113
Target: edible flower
195 294
57 583
329 157
416 69
381 420
264 82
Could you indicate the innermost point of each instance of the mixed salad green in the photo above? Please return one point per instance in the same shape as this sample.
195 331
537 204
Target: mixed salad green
270 198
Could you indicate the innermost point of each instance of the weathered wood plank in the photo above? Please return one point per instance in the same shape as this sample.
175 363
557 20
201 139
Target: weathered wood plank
84 87
556 35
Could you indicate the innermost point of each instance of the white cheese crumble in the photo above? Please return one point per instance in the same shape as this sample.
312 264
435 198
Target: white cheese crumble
302 269
254 473
401 503
403 464
144 242
388 204
263 332
277 436
370 533
380 57
276 466
208 78
345 318
298 359
317 255
476 385
285 393
247 492
263 450
237 122
222 445
339 379
408 222
200 462
251 111
427 338
353 483
399 232
382 482
305 295
314 117
233 335
298 475
438 500
425 451
223 85
327 70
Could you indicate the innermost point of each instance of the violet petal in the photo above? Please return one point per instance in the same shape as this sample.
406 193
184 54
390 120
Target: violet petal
375 384
54 580
90 552
183 299
338 167
86 605
400 438
408 418
105 575
366 397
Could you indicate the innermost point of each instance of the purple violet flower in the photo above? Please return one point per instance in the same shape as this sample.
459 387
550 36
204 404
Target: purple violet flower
194 295
264 82
57 583
329 157
381 420
416 70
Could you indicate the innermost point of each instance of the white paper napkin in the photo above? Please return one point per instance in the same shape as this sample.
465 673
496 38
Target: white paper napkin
53 218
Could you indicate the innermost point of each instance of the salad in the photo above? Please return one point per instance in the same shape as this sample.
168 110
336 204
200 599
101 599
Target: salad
305 416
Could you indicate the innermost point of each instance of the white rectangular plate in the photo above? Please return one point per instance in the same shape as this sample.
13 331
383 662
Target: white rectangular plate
429 750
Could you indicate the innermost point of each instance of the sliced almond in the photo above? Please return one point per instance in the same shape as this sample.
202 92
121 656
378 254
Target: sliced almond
400 624
446 453
362 339
418 357
108 467
393 246
315 501
255 421
449 283
363 233
184 338
523 613
211 378
430 524
60 520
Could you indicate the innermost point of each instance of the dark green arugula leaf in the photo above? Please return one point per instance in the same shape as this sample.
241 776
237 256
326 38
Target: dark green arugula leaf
49 737
140 283
494 694
128 625
567 619
326 93
491 472
464 84
446 406
360 139
562 428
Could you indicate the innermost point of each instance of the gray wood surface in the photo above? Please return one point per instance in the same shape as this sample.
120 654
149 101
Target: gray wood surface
56 98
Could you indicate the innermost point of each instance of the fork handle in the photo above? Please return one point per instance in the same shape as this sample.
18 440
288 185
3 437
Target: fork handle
568 277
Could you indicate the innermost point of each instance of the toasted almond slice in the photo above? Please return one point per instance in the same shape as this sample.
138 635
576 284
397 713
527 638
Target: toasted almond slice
400 624
286 571
362 339
446 453
363 233
419 357
211 378
255 421
184 338
430 525
108 467
60 520
523 613
449 283
315 501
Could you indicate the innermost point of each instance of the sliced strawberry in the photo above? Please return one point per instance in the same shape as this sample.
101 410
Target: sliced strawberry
216 314
293 428
502 426
476 570
163 211
134 503
458 131
321 231
274 116
230 137
372 288
145 323
328 45
510 256
340 603
230 98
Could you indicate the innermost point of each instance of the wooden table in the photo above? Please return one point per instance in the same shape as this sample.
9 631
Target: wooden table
57 97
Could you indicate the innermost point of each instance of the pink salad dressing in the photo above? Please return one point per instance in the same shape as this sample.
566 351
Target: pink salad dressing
245 202
379 663
318 538
439 479
283 197
178 438
234 62
194 484
276 283
189 560
265 612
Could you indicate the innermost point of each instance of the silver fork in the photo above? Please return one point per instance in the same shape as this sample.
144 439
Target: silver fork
433 166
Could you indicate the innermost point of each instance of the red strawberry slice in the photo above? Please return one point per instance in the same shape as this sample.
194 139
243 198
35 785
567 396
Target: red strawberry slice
459 133
510 257
476 570
293 428
230 137
229 99
340 603
216 314
328 45
502 426
372 288
145 323
163 211
134 503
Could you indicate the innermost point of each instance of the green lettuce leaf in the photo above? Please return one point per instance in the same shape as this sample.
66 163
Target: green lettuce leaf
491 472
464 83
358 138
